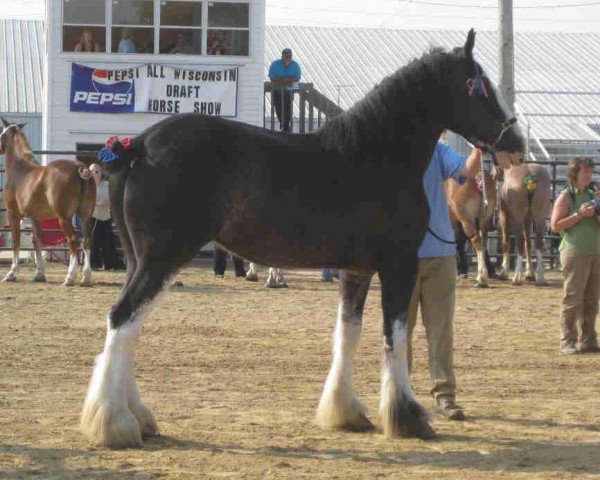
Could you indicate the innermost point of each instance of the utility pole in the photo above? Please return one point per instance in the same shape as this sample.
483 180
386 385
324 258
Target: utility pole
507 52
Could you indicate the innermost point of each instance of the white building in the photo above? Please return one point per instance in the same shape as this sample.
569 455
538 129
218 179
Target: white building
194 35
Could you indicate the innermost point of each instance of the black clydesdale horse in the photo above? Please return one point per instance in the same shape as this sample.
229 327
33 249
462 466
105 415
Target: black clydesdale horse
349 196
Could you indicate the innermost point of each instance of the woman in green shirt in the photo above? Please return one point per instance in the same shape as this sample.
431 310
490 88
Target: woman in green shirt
579 226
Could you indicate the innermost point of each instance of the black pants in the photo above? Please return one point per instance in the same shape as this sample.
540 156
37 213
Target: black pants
283 103
220 263
104 251
463 261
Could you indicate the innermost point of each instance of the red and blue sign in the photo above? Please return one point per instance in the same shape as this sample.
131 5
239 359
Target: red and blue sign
101 91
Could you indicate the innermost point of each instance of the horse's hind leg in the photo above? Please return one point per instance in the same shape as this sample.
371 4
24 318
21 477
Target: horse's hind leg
15 231
339 407
502 274
39 260
520 244
539 226
529 275
86 280
113 413
67 228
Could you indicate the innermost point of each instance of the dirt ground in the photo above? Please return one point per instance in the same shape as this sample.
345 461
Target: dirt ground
233 373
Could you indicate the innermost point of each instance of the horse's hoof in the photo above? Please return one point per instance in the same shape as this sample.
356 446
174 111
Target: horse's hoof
9 279
39 279
530 277
68 283
481 284
408 420
252 277
502 276
542 283
516 282
85 283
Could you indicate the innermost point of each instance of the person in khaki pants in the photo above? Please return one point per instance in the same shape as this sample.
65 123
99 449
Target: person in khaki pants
578 223
436 279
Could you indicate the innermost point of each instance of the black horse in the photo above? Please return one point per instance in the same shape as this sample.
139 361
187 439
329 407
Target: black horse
349 196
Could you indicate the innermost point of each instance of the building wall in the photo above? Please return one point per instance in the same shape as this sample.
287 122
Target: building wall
63 129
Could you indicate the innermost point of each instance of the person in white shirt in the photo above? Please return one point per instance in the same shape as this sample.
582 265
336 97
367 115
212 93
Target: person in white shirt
104 252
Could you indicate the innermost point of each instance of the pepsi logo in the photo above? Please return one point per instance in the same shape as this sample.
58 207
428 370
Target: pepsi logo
103 83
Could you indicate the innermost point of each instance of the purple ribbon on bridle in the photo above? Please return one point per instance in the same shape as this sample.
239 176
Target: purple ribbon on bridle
477 86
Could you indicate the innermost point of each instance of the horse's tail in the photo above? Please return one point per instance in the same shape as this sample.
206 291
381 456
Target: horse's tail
124 155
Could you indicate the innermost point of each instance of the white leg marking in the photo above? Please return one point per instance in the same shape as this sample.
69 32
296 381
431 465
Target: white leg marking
72 271
252 274
396 391
518 277
11 276
482 273
106 418
539 273
338 406
86 281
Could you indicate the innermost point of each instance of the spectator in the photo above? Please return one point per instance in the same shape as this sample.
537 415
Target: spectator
578 223
104 252
284 74
220 263
181 45
126 44
86 43
217 43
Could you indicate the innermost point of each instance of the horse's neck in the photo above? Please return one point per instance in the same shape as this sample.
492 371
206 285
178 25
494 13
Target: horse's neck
17 160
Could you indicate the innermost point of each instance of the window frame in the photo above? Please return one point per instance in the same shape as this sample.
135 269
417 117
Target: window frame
108 26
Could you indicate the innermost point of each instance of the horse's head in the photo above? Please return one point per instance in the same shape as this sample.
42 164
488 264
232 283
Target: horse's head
8 134
478 109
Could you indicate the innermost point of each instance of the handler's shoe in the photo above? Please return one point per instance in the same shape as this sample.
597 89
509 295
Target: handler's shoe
448 408
568 349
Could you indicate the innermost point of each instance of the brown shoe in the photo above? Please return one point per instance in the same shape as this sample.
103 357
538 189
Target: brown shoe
448 408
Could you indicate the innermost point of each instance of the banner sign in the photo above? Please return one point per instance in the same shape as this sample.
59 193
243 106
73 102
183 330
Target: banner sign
154 89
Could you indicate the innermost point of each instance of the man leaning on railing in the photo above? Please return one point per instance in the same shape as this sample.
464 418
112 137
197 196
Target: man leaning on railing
284 74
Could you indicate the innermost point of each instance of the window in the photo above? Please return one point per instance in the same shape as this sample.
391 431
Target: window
228 29
84 27
132 26
180 27
195 27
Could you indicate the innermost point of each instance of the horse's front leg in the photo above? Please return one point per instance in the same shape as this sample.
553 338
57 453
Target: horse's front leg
520 240
15 232
339 407
67 228
475 237
40 275
86 223
400 413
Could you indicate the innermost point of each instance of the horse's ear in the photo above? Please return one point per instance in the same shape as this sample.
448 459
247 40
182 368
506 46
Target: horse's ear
470 43
21 125
4 122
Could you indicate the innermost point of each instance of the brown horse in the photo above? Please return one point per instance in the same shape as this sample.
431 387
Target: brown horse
61 189
525 201
467 208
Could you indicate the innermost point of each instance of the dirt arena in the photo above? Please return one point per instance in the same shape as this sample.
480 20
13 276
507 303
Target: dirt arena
233 373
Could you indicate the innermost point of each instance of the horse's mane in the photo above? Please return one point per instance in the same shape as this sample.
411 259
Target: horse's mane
26 150
376 114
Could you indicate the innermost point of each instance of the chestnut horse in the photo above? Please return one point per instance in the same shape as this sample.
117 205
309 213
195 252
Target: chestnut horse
59 190
467 208
525 201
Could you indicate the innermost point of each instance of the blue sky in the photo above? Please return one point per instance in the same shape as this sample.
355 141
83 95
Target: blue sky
547 15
